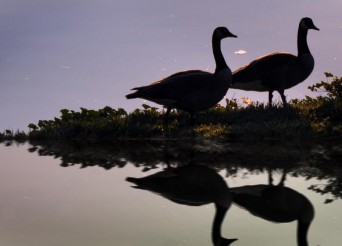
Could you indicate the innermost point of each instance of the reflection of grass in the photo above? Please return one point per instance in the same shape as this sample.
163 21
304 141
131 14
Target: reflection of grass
310 117
316 159
10 134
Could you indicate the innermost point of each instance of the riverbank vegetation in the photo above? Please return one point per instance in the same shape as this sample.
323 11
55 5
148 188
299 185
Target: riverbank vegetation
308 117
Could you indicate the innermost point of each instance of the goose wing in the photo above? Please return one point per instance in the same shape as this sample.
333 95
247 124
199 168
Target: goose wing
266 69
175 87
188 185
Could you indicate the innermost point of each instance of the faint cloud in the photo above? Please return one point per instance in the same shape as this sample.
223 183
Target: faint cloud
65 67
240 52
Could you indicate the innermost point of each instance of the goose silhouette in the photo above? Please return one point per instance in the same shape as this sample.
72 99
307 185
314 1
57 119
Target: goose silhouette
192 90
278 71
192 185
277 203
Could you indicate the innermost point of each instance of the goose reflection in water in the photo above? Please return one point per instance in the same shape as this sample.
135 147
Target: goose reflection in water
192 185
277 203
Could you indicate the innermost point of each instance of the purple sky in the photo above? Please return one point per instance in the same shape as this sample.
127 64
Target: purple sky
71 54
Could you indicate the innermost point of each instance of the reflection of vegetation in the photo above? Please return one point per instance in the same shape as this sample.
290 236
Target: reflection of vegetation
319 160
10 134
310 117
328 172
333 187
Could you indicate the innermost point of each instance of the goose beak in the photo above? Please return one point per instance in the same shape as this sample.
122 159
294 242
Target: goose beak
233 35
315 28
230 35
233 240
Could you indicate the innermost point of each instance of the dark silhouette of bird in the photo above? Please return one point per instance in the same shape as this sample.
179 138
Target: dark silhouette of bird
192 90
278 71
192 185
277 203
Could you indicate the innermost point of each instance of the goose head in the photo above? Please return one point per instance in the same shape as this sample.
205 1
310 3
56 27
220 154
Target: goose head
223 32
307 23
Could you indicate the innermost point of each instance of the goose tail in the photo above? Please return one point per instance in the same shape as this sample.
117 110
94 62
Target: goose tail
145 183
137 93
132 95
135 181
132 180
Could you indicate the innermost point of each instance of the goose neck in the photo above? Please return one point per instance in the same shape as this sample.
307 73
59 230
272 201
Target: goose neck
217 223
219 59
302 43
302 232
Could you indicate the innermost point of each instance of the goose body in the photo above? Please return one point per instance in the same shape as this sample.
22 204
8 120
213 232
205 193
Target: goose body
192 185
278 204
278 71
192 90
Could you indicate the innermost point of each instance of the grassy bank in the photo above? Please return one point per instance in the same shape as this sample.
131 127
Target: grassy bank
309 117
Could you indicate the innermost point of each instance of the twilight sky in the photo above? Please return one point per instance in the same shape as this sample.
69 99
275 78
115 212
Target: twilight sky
58 54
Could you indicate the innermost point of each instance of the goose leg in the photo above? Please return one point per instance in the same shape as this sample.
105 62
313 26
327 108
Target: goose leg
166 118
283 178
270 178
283 97
270 96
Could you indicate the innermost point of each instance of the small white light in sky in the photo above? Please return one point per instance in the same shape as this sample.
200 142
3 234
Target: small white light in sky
170 30
65 67
172 15
163 68
26 78
334 58
240 52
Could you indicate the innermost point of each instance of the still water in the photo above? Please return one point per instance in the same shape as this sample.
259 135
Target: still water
76 194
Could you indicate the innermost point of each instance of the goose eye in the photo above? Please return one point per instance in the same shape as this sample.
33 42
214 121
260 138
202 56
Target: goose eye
303 24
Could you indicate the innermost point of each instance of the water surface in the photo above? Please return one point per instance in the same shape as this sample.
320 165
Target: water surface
77 194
